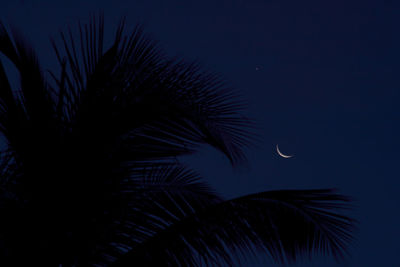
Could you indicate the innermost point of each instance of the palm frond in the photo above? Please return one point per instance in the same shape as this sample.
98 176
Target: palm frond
193 108
285 224
27 112
157 198
166 107
34 94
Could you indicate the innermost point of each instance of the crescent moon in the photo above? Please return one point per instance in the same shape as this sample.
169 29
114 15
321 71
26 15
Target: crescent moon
281 154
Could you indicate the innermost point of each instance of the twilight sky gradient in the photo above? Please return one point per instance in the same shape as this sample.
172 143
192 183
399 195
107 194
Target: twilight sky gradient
321 78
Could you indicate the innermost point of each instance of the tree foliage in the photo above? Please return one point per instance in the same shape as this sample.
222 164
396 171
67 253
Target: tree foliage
89 175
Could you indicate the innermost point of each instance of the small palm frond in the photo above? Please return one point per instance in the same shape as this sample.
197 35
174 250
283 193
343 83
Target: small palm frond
285 224
174 182
27 113
34 92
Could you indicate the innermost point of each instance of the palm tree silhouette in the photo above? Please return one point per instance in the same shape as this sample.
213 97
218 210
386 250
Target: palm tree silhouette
89 175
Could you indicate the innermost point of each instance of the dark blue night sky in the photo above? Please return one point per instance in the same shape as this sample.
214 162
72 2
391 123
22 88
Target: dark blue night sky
321 79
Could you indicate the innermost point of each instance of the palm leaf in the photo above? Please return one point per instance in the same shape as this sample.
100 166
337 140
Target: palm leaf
34 94
27 113
285 224
157 198
166 107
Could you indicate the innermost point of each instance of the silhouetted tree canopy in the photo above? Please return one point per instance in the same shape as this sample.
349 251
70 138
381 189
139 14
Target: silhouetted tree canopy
89 175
